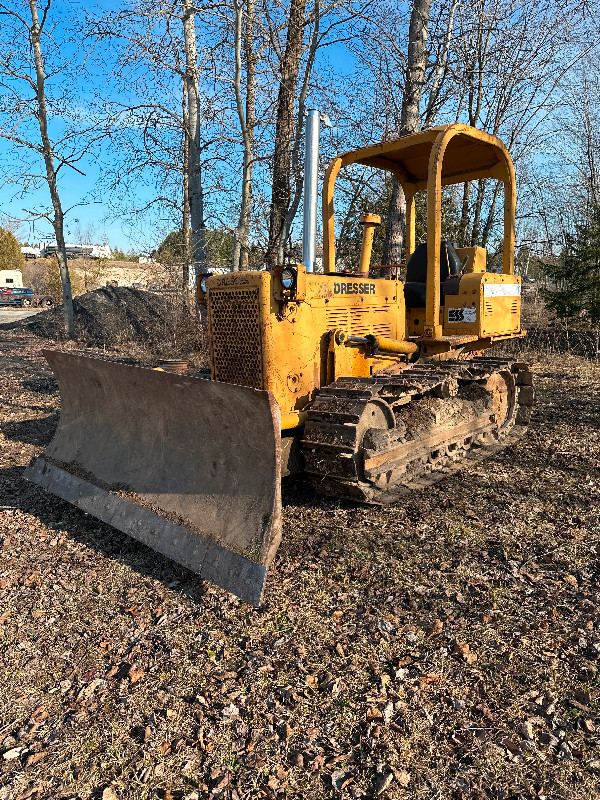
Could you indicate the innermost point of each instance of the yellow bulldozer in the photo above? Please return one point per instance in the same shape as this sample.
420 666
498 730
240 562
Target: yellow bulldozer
369 384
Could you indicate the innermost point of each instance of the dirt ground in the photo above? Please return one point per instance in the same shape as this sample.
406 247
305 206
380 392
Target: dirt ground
444 647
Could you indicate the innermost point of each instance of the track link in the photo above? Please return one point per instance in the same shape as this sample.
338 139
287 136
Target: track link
377 439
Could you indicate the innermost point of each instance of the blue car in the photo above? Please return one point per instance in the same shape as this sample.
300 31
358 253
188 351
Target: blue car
16 297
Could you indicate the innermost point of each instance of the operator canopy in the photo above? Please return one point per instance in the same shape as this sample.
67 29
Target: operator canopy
429 160
467 154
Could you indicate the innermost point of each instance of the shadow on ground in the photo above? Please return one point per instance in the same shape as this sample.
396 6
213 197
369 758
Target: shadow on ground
56 514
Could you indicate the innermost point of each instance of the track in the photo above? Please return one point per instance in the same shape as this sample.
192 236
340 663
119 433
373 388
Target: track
375 439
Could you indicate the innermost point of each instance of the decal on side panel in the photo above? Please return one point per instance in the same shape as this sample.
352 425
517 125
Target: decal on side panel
462 314
501 289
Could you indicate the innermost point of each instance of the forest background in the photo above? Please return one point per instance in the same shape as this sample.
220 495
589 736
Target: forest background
173 116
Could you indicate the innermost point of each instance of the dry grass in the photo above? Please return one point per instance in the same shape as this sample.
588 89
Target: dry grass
124 675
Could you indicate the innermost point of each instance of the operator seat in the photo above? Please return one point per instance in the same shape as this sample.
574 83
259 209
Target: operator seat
415 288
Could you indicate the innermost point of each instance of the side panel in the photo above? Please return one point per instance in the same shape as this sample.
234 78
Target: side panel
501 305
487 304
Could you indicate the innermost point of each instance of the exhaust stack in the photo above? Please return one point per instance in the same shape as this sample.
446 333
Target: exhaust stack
311 176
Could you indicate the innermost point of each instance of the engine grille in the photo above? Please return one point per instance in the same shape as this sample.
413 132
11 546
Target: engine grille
336 318
370 320
235 336
360 321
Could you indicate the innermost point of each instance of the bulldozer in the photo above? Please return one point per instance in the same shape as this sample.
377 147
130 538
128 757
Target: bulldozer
372 381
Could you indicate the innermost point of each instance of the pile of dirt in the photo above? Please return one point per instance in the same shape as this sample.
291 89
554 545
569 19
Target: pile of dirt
113 317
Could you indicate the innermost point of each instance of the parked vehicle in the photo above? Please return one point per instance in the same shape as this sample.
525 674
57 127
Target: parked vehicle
23 298
31 252
16 297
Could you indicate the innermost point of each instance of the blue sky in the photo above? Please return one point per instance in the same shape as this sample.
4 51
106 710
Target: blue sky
84 205
16 161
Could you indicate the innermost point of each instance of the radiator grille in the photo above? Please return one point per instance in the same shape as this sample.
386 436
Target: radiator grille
514 307
235 337
488 307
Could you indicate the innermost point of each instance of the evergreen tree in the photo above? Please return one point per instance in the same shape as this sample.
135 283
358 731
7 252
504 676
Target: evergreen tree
10 251
576 294
219 248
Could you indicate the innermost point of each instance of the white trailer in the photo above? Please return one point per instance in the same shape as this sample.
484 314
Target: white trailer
11 278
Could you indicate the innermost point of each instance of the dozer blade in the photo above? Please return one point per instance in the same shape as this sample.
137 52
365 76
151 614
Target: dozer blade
188 466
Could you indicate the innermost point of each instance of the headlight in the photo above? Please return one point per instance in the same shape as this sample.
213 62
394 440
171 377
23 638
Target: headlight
202 282
288 278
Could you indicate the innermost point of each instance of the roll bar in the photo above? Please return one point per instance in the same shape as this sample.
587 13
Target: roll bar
429 160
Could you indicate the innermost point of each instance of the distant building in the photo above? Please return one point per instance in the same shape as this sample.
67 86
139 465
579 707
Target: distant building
31 252
79 250
12 278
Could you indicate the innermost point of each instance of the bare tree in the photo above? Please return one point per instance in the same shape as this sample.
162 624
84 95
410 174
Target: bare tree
23 76
308 31
194 139
284 129
244 42
185 212
416 64
510 61
164 144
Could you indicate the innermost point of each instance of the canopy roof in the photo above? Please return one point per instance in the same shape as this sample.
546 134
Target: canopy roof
427 160
468 155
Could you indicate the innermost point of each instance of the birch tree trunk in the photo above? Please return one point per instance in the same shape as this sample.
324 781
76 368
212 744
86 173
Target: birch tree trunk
195 189
185 216
284 131
244 39
58 218
416 65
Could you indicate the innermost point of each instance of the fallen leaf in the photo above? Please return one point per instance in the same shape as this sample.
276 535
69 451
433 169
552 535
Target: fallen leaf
383 782
231 713
341 778
403 777
388 711
527 731
33 758
285 732
13 753
464 650
135 674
